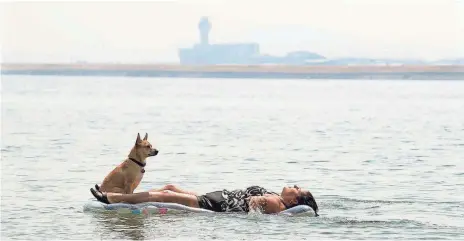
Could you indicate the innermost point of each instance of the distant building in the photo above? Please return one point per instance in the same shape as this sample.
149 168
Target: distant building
239 53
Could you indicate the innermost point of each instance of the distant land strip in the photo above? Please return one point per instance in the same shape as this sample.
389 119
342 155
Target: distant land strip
239 71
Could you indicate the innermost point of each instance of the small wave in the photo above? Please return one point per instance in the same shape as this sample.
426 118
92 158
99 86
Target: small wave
403 223
447 165
251 159
292 162
389 201
21 133
394 222
321 161
11 148
77 170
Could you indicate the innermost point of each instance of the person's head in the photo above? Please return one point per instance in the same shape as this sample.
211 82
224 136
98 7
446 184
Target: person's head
294 196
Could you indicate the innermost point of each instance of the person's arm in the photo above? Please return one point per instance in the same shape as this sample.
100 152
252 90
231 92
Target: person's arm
267 204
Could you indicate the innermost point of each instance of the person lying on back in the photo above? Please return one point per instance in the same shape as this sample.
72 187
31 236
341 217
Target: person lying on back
251 198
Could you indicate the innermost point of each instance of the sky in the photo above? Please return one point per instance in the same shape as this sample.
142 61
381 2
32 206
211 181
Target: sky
152 31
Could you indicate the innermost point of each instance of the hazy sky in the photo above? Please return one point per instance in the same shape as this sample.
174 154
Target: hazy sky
152 31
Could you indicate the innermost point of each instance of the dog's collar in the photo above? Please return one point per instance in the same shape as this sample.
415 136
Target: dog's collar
142 165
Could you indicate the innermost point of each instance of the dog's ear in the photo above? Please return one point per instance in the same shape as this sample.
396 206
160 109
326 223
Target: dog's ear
146 137
138 139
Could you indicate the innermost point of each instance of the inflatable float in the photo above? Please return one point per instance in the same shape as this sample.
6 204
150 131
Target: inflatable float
173 208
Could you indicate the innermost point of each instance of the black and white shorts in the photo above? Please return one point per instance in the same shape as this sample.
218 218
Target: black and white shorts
213 201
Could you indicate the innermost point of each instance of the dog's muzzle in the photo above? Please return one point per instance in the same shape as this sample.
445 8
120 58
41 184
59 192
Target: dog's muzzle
154 153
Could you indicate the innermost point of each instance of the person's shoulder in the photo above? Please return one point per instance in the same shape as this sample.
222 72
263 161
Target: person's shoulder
273 204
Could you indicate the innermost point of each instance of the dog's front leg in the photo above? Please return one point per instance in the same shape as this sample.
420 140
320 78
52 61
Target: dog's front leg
129 182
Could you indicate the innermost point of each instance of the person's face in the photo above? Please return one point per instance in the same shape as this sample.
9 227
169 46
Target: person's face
290 194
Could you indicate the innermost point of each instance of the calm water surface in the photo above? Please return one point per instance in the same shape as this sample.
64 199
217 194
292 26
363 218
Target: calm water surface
384 159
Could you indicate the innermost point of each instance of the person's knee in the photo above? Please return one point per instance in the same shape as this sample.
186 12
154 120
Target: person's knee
170 187
163 196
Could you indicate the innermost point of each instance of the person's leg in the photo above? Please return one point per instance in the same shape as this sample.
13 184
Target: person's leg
173 188
169 187
141 197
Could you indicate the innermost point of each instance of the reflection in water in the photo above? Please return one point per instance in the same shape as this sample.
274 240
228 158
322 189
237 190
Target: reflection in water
123 226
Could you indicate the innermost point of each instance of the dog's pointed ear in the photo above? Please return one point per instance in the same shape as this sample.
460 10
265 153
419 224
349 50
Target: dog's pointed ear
146 137
138 139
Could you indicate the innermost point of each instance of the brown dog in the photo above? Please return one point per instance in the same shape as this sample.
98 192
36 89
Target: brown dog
127 176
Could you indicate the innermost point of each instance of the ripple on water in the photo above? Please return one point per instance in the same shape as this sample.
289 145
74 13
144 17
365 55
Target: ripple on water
375 174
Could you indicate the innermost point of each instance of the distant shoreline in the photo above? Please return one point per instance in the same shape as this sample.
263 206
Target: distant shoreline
426 72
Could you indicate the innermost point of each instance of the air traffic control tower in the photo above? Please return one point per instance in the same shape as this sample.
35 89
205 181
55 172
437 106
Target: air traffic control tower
205 27
206 53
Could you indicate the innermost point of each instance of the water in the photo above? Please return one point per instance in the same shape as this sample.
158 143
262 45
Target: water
384 159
